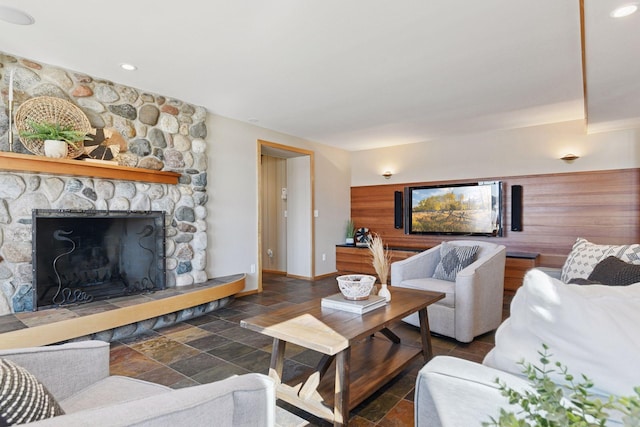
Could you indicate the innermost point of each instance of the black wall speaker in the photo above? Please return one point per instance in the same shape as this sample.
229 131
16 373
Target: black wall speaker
516 208
397 209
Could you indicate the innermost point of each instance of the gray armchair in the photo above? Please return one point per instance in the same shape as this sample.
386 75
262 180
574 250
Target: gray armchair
473 303
77 375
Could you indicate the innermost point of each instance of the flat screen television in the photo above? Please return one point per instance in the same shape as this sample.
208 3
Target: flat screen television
473 209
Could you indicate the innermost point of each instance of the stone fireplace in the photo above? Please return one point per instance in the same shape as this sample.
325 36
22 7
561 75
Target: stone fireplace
85 256
162 135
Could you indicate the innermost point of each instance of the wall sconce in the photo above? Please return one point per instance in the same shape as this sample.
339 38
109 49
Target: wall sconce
569 158
387 175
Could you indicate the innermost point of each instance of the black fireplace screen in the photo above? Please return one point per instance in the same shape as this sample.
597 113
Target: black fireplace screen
83 256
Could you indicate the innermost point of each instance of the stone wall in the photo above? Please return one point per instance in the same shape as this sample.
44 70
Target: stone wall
160 134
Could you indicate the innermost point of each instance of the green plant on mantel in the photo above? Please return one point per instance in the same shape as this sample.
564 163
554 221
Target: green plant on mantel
562 405
54 131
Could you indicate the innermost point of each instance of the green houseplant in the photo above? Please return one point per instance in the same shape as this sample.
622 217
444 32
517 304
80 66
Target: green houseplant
350 232
562 405
56 137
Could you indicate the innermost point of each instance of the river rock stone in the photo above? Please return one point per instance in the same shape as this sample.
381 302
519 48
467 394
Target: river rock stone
173 159
73 185
5 215
200 198
170 109
22 207
49 89
140 147
164 204
181 143
17 251
201 212
184 252
199 242
89 193
127 111
106 93
33 182
126 189
199 130
201 277
149 114
198 145
184 267
23 78
199 260
57 76
199 180
184 280
157 139
92 105
128 94
141 203
53 188
11 186
186 228
183 238
73 202
5 273
185 213
119 204
105 189
168 123
82 91
151 163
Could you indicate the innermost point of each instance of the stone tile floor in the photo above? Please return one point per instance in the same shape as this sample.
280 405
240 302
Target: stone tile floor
214 346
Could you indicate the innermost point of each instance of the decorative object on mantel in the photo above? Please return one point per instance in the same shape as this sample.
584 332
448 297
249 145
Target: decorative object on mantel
56 111
105 145
381 260
57 140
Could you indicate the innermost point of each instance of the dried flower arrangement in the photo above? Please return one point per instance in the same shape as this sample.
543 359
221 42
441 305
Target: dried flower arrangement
381 257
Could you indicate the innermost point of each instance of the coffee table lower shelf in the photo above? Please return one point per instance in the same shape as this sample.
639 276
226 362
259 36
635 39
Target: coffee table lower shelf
373 362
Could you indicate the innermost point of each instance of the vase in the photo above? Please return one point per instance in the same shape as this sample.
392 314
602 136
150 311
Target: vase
349 240
384 292
55 149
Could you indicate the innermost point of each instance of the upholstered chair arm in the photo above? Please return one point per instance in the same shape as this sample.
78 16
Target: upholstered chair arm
64 369
418 266
479 293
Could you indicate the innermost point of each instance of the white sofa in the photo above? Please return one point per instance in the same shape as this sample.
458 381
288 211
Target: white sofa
473 302
77 375
590 329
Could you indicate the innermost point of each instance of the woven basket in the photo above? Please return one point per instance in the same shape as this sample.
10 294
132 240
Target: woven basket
51 110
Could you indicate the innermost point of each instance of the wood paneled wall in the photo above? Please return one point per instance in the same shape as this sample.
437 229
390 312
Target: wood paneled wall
601 206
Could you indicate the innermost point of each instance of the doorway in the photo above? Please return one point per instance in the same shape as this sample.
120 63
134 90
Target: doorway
285 211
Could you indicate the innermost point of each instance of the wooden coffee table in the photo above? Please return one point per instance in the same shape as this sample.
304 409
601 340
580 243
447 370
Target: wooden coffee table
367 354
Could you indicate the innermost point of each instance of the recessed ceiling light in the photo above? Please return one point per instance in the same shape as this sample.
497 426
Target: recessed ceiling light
128 67
15 16
622 11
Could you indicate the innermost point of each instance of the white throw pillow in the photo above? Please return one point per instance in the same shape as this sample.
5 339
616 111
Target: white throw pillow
593 330
585 255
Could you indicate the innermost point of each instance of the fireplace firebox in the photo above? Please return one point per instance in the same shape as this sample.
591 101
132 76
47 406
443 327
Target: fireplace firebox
84 256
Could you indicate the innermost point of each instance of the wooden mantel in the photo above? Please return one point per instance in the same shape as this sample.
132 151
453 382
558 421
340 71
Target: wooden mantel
30 163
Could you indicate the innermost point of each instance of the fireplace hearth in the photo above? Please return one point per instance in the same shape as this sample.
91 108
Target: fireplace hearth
85 256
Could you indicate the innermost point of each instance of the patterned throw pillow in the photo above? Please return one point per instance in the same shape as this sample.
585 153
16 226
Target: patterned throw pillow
453 259
23 398
615 272
585 255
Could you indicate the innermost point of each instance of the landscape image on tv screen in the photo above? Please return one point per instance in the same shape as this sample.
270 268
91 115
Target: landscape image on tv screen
456 209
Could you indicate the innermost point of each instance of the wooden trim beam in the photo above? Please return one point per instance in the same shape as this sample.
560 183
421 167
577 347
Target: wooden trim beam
40 164
64 330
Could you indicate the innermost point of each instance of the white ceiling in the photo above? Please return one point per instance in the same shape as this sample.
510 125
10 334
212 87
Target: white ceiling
355 74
